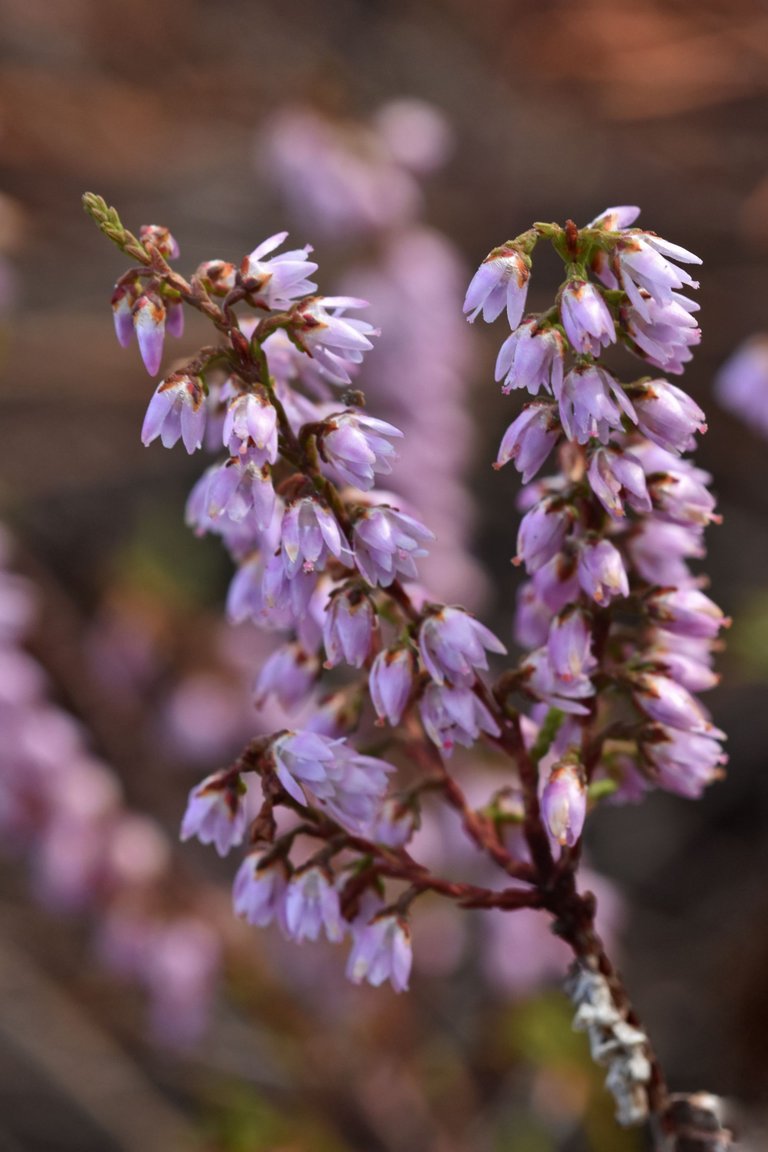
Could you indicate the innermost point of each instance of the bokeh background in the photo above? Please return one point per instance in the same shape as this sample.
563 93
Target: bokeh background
169 109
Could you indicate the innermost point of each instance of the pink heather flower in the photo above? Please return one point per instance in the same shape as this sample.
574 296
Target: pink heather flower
564 803
680 494
592 403
390 682
123 299
529 439
542 533
452 645
586 318
176 411
455 716
259 891
149 324
161 239
290 674
386 544
241 491
337 342
531 358
685 762
346 783
310 535
350 619
312 907
643 264
557 583
616 476
381 951
354 445
616 219
668 703
601 571
174 318
250 426
501 280
216 813
564 692
569 645
667 415
659 550
686 659
284 599
665 336
275 283
687 612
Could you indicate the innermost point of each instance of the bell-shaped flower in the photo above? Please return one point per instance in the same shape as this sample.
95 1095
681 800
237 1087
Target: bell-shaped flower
453 645
500 281
564 802
391 681
386 544
531 358
667 415
259 891
617 477
312 907
216 813
355 447
176 411
241 491
250 427
592 404
275 283
289 674
601 571
586 318
149 325
310 534
381 950
335 341
455 716
348 627
529 439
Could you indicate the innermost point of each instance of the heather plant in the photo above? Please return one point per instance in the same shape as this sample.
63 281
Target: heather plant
389 682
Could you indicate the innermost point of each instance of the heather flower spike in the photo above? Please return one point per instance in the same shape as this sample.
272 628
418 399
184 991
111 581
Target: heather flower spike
618 639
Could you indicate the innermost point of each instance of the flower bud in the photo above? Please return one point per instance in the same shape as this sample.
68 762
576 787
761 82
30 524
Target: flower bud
564 802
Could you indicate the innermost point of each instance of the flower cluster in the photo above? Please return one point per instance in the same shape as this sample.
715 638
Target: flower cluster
606 543
385 680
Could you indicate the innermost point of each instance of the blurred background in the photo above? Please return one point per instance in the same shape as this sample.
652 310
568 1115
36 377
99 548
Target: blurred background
404 139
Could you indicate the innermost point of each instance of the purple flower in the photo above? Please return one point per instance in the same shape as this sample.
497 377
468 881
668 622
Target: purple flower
686 659
337 342
312 907
665 335
542 533
668 703
123 299
586 318
564 803
687 612
250 426
529 439
304 757
149 324
386 544
348 627
616 476
381 951
680 495
259 891
601 571
275 283
395 824
685 762
215 812
354 445
176 411
289 673
390 682
310 535
455 716
642 264
616 219
241 490
741 385
501 280
543 680
531 358
592 403
569 645
667 415
452 645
